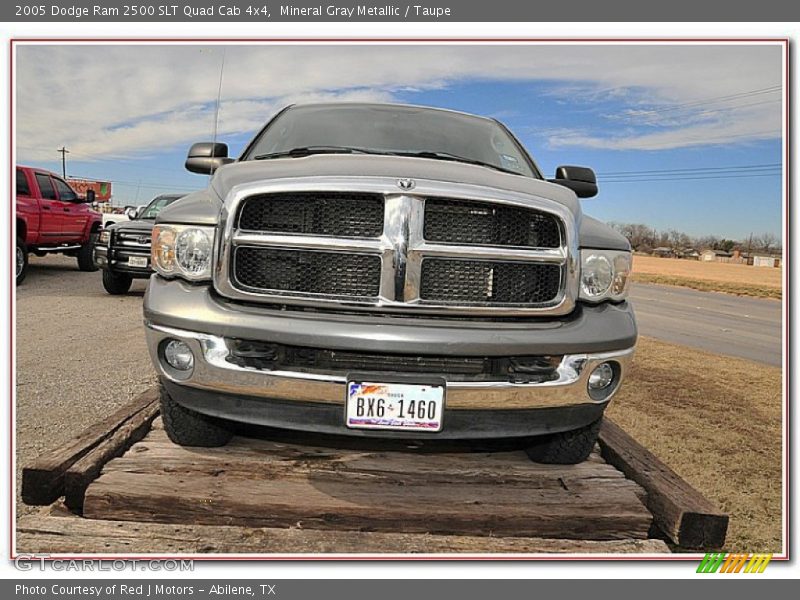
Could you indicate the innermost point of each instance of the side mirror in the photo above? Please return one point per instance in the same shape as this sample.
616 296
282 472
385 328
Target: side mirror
90 196
207 157
580 180
131 212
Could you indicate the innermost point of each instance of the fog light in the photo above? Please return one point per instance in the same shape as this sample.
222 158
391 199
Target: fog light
178 355
601 377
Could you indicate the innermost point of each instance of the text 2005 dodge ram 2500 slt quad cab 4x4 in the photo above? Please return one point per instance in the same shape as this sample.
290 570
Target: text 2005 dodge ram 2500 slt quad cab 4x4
392 271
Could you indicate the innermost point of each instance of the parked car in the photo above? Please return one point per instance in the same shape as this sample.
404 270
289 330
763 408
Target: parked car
391 271
123 249
128 213
51 217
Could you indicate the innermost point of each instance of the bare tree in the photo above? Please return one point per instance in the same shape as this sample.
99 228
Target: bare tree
765 242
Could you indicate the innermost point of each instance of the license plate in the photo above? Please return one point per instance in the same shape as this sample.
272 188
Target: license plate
397 406
137 261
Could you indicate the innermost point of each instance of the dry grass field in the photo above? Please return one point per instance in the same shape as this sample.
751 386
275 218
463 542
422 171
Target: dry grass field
717 421
761 282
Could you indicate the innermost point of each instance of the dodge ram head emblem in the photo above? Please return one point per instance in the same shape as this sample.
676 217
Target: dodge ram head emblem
406 184
143 240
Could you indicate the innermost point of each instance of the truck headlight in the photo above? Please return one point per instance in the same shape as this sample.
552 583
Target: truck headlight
604 274
183 250
105 237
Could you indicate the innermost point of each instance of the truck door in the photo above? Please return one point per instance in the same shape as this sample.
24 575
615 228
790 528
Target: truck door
74 215
52 211
27 207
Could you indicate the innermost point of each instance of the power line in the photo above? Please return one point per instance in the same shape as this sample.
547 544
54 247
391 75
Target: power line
639 172
737 106
97 158
151 185
772 170
712 100
697 178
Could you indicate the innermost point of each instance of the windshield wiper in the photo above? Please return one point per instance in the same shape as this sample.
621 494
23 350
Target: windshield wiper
309 150
453 158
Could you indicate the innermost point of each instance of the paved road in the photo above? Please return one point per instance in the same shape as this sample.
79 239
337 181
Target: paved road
721 323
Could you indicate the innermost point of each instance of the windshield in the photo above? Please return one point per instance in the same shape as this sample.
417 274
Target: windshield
152 210
404 130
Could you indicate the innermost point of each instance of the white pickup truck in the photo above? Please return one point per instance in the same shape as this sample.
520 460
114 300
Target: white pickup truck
130 213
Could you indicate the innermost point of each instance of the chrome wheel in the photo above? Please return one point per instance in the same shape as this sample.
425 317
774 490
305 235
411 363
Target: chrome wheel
20 260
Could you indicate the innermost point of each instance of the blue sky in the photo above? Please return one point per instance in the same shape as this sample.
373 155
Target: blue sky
674 119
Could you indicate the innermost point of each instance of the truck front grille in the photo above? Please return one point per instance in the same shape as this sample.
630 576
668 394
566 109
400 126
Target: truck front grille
488 282
304 272
134 241
330 213
454 221
367 242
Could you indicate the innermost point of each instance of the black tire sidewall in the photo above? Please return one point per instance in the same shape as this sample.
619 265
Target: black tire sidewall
186 427
86 254
116 283
21 276
566 448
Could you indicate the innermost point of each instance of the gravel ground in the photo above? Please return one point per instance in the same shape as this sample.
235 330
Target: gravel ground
80 355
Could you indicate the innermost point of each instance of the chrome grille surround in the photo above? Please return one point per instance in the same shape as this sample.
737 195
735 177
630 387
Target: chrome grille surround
134 240
401 246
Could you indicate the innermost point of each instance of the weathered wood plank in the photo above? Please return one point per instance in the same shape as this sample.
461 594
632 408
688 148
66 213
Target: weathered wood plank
240 470
263 483
329 500
78 477
259 456
43 479
73 535
387 468
687 517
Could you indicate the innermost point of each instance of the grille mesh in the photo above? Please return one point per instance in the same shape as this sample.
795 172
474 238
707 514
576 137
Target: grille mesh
308 272
269 356
329 213
488 282
463 222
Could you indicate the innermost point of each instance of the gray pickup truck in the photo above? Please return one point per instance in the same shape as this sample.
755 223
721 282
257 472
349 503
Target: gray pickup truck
390 271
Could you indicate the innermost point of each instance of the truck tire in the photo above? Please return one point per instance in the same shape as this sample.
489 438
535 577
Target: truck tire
567 447
86 254
188 428
116 283
21 261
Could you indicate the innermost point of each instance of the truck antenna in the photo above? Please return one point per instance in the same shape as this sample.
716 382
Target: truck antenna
219 98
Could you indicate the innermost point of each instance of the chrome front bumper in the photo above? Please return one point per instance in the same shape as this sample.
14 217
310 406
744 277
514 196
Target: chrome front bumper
212 372
314 402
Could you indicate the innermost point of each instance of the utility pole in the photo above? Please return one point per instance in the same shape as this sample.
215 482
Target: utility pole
64 153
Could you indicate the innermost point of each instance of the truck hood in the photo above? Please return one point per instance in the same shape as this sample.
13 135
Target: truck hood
203 207
355 165
133 225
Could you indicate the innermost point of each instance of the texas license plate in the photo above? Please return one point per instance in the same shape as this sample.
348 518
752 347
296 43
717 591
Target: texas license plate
397 406
137 261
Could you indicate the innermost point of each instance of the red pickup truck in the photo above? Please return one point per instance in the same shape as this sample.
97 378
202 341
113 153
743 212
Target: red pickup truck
51 217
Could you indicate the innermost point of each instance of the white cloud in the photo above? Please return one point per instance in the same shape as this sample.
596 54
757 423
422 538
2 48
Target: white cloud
128 100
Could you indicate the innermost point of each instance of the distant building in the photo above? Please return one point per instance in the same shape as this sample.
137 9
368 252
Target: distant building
710 255
663 252
765 261
739 258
